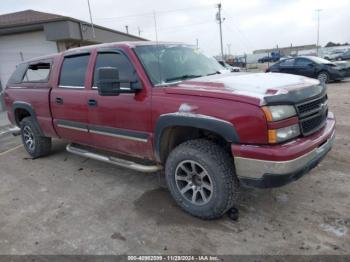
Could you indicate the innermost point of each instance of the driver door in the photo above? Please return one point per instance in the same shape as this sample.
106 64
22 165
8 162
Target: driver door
121 123
287 66
305 67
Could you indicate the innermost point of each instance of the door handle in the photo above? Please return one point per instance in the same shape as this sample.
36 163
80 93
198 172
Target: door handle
92 102
59 100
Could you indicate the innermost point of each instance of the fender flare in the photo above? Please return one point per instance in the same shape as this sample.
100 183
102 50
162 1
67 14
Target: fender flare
29 108
215 125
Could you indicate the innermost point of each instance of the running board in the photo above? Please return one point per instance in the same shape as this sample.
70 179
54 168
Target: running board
15 131
112 160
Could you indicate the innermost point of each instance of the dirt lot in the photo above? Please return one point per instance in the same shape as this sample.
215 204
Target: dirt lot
67 204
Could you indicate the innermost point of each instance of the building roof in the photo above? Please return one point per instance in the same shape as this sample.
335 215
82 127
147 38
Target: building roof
294 48
28 17
32 17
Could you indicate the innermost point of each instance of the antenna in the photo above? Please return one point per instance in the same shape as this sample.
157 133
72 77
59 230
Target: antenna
158 52
155 25
92 24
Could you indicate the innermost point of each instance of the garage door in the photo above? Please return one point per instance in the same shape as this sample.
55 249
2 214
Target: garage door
19 47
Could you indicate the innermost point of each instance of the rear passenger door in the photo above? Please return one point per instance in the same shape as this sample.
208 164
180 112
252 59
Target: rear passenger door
68 99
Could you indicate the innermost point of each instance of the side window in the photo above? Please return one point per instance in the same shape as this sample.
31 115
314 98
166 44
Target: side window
287 62
38 72
302 62
73 71
126 70
18 74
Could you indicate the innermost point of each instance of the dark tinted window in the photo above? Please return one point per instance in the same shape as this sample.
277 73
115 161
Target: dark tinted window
126 70
17 75
38 72
74 70
287 62
302 62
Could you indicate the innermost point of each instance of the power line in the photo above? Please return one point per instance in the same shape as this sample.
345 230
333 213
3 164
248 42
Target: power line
185 25
194 8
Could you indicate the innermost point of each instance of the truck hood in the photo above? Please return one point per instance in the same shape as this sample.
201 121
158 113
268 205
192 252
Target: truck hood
255 88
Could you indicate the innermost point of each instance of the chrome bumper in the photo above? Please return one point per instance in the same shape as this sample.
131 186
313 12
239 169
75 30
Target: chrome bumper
255 169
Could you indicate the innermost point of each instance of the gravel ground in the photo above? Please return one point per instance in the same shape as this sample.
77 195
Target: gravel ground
65 204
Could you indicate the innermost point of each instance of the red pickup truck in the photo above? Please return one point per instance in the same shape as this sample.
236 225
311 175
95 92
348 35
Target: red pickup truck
153 106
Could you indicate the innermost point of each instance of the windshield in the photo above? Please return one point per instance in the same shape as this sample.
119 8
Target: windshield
169 63
319 60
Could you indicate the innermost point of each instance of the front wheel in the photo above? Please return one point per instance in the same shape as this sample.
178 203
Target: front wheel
323 76
201 178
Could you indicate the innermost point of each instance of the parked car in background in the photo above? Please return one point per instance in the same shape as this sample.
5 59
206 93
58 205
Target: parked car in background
273 57
229 67
343 56
237 61
333 55
310 66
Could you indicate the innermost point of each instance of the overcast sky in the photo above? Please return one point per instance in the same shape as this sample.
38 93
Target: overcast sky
248 25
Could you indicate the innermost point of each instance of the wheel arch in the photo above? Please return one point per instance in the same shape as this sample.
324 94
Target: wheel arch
174 128
22 110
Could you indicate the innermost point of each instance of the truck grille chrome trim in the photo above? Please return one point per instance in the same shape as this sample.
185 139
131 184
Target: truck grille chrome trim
312 114
113 160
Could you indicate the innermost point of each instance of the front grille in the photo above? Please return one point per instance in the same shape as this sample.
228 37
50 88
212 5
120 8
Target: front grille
310 107
312 115
314 123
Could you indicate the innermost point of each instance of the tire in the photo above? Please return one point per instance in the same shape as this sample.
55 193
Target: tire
35 144
323 76
194 167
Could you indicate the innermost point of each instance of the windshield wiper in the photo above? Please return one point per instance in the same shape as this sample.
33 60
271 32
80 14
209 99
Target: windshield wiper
183 77
215 73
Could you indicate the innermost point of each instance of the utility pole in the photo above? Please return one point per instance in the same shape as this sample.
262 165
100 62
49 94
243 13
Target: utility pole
127 29
92 24
197 43
229 49
139 30
218 18
318 29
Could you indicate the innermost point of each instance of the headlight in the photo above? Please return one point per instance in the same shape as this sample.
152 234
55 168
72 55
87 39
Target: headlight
275 113
283 134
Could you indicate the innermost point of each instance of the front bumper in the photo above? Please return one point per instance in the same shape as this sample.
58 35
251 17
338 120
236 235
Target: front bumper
278 165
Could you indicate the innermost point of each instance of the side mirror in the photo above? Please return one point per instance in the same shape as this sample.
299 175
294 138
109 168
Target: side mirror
311 65
109 84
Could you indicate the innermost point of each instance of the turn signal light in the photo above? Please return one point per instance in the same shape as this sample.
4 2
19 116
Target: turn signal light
272 136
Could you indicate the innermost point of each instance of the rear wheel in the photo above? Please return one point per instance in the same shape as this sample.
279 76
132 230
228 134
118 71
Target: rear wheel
323 76
35 144
201 177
